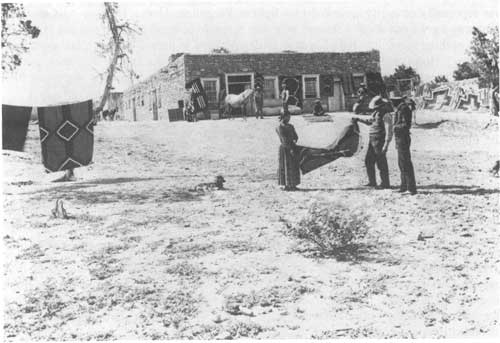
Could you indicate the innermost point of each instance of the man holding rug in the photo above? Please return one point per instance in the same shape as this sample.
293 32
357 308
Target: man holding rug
380 137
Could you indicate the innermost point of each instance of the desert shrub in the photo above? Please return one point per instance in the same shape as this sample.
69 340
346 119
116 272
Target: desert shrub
244 330
332 226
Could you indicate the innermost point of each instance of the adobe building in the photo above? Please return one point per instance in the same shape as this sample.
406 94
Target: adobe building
330 77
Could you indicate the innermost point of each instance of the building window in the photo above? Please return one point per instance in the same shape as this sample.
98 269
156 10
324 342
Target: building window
211 87
310 86
237 83
358 79
270 87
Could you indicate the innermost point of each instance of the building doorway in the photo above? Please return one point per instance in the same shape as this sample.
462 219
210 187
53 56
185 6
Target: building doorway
237 83
134 112
336 102
155 106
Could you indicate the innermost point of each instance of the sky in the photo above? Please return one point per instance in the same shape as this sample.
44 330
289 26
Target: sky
63 65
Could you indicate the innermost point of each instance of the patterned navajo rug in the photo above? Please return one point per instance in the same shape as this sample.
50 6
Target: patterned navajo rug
345 145
67 136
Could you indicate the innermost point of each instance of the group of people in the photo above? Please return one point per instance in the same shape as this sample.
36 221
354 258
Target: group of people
385 121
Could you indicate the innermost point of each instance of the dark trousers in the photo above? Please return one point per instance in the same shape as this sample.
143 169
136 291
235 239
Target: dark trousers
404 161
259 111
285 109
374 155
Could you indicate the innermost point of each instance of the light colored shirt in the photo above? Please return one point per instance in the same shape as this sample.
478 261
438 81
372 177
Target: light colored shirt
389 127
285 94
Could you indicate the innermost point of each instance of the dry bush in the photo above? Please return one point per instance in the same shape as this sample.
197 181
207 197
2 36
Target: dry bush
332 227
244 330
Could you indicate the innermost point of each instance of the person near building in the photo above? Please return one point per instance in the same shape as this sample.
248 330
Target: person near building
318 109
380 135
259 102
493 100
362 91
402 126
288 164
285 96
189 110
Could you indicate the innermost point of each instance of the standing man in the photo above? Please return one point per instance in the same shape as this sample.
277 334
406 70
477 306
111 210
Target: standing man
285 95
259 102
288 161
402 126
493 100
380 137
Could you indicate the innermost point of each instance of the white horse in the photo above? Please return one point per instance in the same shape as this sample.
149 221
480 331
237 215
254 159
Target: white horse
232 101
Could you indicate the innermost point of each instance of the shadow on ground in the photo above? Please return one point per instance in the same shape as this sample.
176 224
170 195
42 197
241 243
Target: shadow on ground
457 189
86 196
354 253
428 126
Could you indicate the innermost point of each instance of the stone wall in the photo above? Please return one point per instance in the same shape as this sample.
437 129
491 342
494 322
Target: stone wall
212 65
169 85
325 64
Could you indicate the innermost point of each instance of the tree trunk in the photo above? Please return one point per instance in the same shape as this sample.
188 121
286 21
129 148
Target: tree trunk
112 66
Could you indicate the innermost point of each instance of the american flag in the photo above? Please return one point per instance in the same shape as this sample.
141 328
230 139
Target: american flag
198 95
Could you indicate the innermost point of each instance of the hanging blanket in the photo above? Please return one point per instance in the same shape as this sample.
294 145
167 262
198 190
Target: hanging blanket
198 96
67 135
15 120
345 145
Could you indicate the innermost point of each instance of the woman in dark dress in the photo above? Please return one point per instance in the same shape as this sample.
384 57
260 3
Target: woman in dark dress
288 170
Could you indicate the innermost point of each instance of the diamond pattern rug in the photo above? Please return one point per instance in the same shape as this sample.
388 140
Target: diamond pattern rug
66 135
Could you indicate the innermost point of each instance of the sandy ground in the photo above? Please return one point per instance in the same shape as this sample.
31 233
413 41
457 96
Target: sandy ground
143 257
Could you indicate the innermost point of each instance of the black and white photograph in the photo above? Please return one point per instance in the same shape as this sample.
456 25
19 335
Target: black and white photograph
250 170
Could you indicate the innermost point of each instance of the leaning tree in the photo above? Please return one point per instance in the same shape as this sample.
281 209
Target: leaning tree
116 47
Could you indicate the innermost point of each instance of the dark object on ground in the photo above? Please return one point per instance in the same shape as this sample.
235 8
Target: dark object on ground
495 169
109 115
209 186
422 237
59 211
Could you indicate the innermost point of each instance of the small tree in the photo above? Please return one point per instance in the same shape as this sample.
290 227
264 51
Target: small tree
465 71
484 55
221 50
440 78
17 31
402 72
